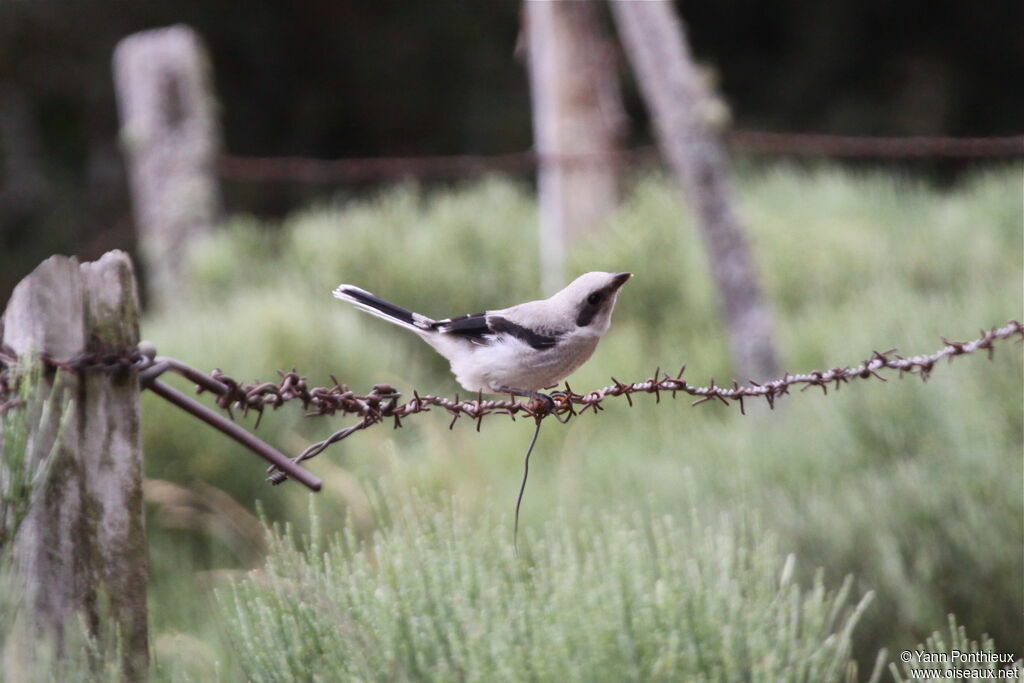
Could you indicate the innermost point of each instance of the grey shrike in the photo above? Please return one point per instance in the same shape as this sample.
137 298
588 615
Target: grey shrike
520 349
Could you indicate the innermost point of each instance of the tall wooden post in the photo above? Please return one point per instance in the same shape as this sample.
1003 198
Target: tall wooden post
675 95
578 123
171 139
82 546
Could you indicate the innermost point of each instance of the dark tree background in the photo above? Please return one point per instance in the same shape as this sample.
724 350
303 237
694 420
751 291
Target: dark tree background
332 79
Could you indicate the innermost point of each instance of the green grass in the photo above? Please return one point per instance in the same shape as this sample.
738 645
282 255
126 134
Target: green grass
916 490
27 460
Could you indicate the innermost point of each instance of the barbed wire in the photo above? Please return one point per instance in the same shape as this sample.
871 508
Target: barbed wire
367 169
143 361
104 360
382 403
875 147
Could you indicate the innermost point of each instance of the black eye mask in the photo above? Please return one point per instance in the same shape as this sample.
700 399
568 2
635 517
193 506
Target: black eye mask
591 306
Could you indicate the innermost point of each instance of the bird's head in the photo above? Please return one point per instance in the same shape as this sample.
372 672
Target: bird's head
591 297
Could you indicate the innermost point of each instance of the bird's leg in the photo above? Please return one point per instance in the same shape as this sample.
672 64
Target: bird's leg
535 395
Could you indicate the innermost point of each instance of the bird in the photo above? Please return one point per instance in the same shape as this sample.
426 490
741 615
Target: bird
517 350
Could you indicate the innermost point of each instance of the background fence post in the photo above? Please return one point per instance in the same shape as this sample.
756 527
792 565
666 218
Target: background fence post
171 140
578 125
82 546
679 104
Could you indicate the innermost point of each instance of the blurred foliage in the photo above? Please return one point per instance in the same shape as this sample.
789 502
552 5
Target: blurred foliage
334 79
26 459
917 490
956 666
612 596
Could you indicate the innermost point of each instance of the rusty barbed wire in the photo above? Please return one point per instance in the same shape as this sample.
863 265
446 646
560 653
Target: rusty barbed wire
143 360
101 359
369 169
381 404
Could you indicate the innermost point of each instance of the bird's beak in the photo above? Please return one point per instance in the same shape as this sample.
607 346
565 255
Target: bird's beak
619 279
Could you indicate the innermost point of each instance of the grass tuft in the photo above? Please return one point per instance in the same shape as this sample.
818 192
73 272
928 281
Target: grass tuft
614 596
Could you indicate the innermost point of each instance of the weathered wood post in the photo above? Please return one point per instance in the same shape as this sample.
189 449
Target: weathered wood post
675 95
578 124
82 546
171 139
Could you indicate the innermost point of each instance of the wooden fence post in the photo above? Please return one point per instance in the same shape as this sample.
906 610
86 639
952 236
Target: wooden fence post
672 87
171 139
578 124
83 546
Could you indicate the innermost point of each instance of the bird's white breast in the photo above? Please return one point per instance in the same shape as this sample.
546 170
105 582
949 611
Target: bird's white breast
513 363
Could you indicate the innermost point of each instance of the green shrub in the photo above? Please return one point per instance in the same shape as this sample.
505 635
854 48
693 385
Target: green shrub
616 596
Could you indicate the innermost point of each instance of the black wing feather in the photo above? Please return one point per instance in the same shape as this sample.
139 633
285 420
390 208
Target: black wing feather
481 328
471 325
535 339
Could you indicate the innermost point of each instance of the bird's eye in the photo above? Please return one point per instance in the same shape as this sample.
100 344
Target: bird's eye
594 299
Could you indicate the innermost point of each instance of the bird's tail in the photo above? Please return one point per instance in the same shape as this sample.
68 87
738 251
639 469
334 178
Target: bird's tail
374 305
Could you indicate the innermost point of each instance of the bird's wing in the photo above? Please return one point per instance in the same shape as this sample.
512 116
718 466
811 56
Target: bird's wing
482 328
473 327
